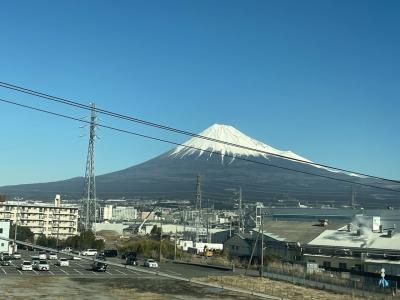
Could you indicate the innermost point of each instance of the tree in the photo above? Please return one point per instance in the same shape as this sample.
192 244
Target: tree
24 234
44 241
155 231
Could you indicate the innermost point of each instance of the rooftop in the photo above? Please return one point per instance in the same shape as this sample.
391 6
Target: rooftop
370 240
296 231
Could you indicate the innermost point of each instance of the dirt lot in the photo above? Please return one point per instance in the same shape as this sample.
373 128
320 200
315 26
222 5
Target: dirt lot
276 288
56 287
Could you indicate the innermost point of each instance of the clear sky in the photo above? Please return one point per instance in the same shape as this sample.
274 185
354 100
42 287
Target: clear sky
320 78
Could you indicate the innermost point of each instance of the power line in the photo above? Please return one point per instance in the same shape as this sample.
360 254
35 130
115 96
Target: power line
160 126
191 147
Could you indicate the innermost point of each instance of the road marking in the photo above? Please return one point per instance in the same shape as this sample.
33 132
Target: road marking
80 265
51 272
172 272
63 271
78 271
35 272
108 273
19 271
4 271
132 271
120 272
94 273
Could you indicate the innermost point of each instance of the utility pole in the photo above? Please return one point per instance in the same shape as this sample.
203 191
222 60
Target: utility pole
89 204
262 247
58 228
241 222
198 196
160 237
176 234
16 226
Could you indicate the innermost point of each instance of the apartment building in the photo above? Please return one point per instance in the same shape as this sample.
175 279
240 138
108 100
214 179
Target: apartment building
52 220
4 232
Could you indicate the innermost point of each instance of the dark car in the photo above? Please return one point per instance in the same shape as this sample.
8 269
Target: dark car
110 253
5 260
99 266
128 253
131 260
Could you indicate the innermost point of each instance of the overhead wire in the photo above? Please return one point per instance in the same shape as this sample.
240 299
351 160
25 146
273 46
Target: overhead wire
175 130
191 147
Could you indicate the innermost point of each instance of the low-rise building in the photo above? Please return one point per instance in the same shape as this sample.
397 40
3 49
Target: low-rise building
52 220
4 232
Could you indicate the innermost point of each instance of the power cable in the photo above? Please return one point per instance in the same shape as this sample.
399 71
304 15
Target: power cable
160 126
191 147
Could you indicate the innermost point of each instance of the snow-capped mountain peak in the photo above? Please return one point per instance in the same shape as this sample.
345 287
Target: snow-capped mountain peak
249 147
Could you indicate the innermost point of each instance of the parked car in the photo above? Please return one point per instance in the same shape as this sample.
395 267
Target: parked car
63 262
42 265
110 253
26 266
150 263
67 249
131 260
52 256
128 253
42 255
89 252
35 260
5 260
16 255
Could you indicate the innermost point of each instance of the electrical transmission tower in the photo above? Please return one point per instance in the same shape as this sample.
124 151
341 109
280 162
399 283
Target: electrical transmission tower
89 201
198 195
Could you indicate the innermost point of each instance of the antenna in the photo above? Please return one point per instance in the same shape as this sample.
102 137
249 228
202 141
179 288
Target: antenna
89 200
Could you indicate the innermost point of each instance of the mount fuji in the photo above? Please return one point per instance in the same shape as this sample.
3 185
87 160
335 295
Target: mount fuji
264 173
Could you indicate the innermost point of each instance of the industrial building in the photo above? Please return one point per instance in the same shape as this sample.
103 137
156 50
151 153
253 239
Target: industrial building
118 213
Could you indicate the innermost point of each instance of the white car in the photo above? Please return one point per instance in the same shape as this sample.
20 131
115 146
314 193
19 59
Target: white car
26 266
89 252
150 263
42 265
17 255
63 262
42 255
67 249
52 256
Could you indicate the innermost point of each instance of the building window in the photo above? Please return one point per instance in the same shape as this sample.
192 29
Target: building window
327 264
343 266
1 230
2 244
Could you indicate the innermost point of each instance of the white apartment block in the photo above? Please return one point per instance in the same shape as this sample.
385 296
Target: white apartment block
4 232
52 220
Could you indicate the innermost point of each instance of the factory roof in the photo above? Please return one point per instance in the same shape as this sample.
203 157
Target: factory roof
296 231
368 240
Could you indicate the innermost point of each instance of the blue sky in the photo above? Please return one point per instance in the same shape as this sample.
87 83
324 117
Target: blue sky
320 78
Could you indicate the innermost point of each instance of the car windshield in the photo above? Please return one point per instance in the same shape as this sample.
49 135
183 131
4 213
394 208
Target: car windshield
27 263
43 262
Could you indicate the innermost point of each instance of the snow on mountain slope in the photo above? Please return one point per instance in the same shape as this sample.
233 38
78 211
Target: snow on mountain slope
231 135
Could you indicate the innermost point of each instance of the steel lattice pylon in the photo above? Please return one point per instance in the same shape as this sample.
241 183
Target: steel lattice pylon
89 200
